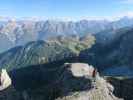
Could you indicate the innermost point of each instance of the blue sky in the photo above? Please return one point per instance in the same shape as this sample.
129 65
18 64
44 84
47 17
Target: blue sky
66 9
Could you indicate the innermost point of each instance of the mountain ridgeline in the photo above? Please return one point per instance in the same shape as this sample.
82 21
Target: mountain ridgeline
33 53
20 32
39 52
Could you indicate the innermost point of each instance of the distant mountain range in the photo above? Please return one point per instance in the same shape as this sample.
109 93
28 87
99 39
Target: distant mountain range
20 32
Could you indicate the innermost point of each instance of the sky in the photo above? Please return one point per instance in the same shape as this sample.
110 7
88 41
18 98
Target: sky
66 9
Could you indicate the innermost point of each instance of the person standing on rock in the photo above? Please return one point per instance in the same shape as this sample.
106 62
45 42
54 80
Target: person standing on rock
94 73
94 78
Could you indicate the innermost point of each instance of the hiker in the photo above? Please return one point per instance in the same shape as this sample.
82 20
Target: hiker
94 73
94 76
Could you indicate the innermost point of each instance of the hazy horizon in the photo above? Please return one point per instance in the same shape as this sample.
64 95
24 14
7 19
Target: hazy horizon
67 9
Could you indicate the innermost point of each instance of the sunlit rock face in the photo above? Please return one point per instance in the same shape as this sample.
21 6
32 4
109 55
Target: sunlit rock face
80 69
5 80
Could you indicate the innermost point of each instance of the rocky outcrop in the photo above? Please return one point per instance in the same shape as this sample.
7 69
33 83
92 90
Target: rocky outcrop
5 80
99 89
71 81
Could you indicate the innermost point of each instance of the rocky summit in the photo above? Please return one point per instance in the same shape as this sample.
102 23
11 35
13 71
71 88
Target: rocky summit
99 89
70 81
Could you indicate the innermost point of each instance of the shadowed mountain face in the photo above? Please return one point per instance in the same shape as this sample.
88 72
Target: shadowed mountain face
35 76
48 81
114 53
42 82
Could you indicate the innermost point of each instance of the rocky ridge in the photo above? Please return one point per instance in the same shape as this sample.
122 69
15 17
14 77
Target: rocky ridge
73 81
100 90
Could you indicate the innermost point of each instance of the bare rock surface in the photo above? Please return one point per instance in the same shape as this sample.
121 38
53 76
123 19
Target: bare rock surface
99 89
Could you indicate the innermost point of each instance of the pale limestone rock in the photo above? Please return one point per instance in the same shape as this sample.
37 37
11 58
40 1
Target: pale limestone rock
5 80
81 69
